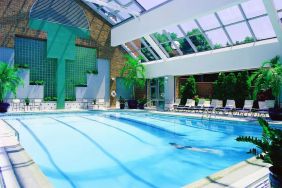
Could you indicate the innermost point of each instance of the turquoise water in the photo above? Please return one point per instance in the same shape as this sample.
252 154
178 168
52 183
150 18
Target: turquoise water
125 150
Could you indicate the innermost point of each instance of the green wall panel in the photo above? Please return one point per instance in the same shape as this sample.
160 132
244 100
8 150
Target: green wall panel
34 53
85 59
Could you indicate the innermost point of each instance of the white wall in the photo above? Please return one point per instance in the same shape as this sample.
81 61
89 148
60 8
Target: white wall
228 59
7 55
98 86
26 90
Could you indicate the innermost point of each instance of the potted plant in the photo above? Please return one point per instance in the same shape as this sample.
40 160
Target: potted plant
9 82
269 77
141 103
271 146
133 73
94 101
121 102
27 101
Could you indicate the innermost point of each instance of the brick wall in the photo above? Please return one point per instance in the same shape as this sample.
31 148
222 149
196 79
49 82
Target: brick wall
14 16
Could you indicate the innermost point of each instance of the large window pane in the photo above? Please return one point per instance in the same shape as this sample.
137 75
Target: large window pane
174 32
161 37
240 33
218 38
253 8
208 22
189 26
170 49
199 40
184 46
148 54
262 28
230 15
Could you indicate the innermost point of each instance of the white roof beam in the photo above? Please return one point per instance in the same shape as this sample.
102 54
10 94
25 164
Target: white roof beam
274 18
155 47
165 16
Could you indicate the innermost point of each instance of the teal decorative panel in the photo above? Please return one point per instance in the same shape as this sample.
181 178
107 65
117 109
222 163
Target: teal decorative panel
76 70
34 53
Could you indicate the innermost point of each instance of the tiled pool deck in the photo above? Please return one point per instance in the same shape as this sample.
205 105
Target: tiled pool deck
19 170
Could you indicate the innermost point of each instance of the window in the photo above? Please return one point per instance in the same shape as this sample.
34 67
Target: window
218 38
253 8
262 28
230 15
240 33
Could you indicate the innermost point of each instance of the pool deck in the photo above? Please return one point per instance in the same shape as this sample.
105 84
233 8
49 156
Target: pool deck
19 170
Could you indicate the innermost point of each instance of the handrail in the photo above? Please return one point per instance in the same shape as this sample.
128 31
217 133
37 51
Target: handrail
17 134
146 104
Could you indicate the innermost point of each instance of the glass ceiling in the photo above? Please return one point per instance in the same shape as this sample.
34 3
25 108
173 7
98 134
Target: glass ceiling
244 23
116 16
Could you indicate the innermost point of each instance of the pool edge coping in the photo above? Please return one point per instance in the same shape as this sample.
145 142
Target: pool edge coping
35 177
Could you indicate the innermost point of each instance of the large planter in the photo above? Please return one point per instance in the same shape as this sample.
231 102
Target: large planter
141 106
4 107
121 106
132 104
275 114
275 178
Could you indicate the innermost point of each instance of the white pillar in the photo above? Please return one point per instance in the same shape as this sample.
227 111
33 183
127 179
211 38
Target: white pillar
169 91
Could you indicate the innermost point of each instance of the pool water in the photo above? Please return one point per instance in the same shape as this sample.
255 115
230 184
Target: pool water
126 149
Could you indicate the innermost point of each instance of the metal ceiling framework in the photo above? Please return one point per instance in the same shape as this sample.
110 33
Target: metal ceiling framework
115 17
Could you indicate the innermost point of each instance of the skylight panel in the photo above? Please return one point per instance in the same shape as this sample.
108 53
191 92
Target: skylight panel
149 4
174 32
209 22
262 28
124 2
135 7
253 8
189 26
239 33
218 38
230 15
278 4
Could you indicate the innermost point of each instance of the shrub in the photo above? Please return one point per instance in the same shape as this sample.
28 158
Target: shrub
92 71
242 88
188 90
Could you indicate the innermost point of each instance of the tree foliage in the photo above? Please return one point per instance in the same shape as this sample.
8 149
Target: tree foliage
268 77
9 80
188 90
133 72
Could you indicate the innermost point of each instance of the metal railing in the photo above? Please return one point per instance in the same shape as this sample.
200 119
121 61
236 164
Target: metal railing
13 129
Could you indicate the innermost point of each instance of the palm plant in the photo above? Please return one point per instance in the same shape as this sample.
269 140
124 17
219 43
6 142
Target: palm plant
9 80
270 144
134 73
268 77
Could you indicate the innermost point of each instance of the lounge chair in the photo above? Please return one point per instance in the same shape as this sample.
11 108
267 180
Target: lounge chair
264 107
101 103
248 106
213 104
229 107
200 105
176 104
16 104
189 103
37 104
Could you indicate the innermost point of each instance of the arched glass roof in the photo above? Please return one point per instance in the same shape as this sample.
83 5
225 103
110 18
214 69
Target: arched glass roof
117 16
